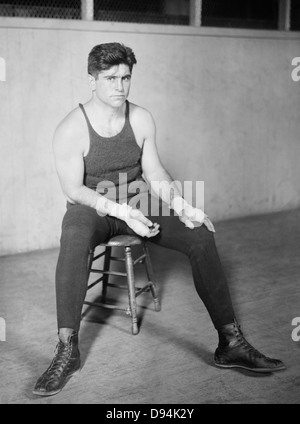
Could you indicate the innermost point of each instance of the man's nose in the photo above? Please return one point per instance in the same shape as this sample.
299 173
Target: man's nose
119 84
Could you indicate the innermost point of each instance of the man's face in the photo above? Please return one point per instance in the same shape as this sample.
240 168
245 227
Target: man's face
112 86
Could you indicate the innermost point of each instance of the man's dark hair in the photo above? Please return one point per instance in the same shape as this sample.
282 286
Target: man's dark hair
104 56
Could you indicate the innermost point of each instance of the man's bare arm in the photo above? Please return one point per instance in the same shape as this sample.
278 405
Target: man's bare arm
163 184
68 155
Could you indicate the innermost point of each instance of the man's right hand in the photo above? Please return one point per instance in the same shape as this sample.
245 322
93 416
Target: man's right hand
134 218
141 225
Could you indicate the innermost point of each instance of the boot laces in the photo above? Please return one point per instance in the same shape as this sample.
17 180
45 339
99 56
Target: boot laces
63 353
247 346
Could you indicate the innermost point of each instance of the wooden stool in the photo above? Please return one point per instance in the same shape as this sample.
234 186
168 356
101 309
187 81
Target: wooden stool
133 292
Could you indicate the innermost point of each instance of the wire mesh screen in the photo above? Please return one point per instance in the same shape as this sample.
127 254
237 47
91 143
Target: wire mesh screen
174 12
255 14
150 11
240 14
66 9
295 15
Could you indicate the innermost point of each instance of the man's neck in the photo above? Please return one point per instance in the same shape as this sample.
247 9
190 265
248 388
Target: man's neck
105 112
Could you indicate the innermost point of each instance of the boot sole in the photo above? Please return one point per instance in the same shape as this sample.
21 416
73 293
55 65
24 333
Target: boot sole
55 392
262 370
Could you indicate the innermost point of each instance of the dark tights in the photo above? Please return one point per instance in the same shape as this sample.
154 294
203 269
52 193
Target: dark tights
83 229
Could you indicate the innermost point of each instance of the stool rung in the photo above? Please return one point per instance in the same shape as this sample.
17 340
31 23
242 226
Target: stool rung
107 306
98 256
94 283
118 286
140 259
99 271
116 258
138 290
142 289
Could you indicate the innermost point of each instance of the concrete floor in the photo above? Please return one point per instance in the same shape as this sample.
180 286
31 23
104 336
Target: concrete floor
171 360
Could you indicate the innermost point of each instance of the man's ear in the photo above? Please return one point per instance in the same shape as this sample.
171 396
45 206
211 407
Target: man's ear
92 82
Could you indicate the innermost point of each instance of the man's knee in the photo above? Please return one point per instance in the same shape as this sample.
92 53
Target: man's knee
76 233
78 223
203 240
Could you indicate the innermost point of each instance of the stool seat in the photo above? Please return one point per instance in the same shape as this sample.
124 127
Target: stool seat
122 241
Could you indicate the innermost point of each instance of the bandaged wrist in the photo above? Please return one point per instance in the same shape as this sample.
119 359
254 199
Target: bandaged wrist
178 204
102 206
106 207
120 211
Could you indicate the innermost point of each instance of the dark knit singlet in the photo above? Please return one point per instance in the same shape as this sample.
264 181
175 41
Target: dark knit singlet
113 163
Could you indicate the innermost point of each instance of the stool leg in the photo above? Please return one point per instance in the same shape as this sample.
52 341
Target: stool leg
106 266
131 289
151 279
90 261
89 266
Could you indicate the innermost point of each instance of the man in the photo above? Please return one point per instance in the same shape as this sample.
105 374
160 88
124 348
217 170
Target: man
94 145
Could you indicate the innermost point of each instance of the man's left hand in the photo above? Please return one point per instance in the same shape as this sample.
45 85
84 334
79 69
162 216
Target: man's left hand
191 216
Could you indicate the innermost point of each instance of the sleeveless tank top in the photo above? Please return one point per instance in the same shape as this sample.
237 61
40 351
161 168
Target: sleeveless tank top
113 164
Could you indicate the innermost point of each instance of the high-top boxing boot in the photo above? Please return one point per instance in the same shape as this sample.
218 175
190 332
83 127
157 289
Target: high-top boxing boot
63 366
234 351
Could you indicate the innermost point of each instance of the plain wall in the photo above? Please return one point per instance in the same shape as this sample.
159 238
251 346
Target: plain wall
225 105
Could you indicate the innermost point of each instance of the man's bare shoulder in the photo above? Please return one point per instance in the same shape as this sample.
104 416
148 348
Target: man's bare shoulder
71 131
140 115
72 123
